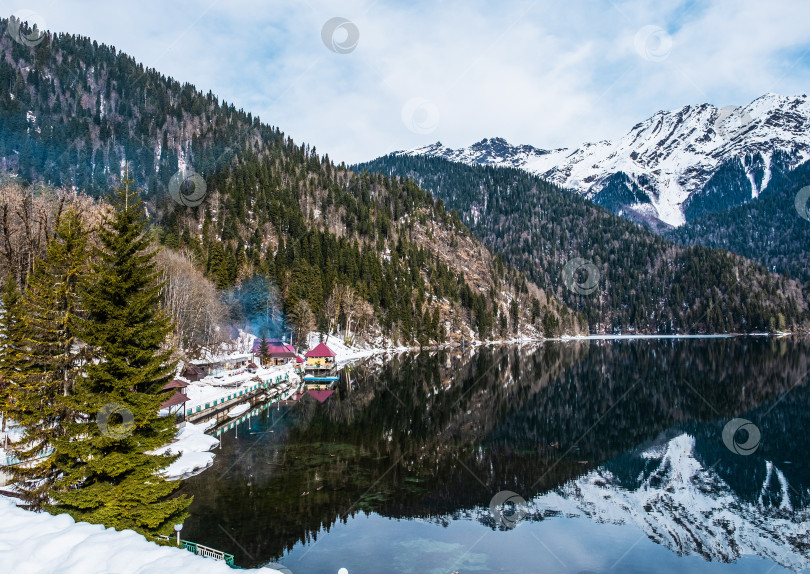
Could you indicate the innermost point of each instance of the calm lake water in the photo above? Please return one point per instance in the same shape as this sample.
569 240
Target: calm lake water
583 456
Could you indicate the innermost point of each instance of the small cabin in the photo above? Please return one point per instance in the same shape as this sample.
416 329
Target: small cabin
223 364
276 352
193 373
320 358
174 404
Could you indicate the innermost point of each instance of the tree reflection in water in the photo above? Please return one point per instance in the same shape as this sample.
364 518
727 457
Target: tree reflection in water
435 435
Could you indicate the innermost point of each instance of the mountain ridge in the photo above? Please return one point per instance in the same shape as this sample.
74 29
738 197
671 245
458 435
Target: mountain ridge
636 280
670 157
74 112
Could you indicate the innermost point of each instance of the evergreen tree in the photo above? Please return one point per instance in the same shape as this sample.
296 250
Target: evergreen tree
11 339
514 314
536 310
109 477
50 367
264 349
550 325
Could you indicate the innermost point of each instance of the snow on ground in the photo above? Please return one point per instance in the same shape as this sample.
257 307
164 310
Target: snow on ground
193 445
640 336
348 353
207 389
38 543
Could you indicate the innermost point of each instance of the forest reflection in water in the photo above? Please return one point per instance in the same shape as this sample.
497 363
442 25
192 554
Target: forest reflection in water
435 435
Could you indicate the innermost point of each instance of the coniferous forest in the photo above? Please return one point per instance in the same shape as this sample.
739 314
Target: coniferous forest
316 235
646 283
767 229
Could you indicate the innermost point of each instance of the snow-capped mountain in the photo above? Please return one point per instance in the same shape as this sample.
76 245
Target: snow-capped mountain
689 509
674 166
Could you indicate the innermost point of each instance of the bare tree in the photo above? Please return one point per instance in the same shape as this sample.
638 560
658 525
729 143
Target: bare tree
192 301
304 320
27 219
332 310
365 316
350 306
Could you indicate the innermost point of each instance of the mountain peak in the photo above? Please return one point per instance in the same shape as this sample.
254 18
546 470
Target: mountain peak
667 159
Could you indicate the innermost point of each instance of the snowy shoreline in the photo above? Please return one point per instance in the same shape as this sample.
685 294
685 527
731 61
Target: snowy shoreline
193 446
39 543
346 354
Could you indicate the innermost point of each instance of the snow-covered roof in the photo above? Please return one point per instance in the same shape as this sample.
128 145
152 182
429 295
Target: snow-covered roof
208 358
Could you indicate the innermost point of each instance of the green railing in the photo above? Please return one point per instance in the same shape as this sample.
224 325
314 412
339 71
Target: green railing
220 401
10 460
201 550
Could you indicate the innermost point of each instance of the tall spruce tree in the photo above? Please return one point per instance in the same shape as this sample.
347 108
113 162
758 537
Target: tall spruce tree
11 345
109 476
51 363
264 349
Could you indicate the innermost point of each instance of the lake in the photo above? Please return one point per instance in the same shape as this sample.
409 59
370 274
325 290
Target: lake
665 455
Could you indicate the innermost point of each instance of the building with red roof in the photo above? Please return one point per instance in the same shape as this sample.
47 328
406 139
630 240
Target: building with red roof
177 399
320 351
320 359
276 352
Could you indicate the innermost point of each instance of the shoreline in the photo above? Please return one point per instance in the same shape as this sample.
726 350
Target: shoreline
562 339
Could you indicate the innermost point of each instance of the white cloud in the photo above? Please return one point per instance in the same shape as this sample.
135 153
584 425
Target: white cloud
545 73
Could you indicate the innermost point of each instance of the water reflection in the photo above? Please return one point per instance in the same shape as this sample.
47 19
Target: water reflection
624 432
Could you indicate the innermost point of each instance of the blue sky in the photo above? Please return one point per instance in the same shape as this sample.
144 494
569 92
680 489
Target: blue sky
546 73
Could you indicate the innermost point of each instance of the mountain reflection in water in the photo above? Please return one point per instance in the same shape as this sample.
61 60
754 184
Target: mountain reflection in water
625 432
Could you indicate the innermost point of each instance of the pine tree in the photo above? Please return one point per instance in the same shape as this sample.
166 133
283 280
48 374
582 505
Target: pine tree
109 477
550 325
50 367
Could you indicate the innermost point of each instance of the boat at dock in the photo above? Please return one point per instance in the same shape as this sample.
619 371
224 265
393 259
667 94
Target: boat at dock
238 410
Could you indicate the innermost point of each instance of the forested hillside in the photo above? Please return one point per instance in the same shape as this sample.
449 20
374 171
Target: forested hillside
770 229
268 222
638 281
